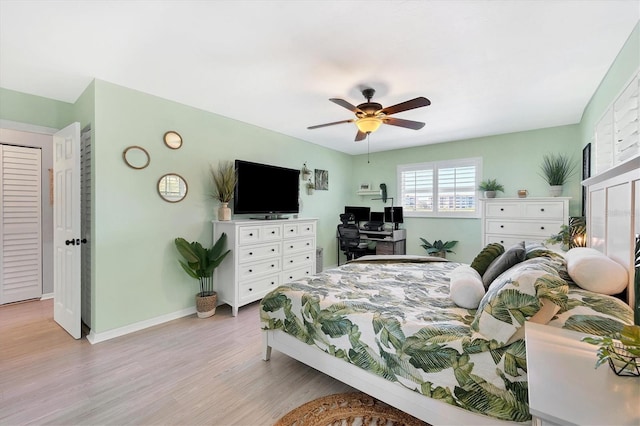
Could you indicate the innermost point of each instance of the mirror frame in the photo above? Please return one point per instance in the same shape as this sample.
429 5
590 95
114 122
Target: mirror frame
186 188
128 161
169 140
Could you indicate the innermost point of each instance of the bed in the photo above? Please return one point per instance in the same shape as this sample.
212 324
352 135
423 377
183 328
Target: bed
390 328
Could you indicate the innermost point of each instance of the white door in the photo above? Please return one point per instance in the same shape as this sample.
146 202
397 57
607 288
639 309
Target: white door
20 224
66 233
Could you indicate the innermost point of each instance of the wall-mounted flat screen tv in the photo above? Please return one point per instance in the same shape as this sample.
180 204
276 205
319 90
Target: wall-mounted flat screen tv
265 189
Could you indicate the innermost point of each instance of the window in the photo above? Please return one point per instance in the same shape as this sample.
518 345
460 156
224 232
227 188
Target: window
442 188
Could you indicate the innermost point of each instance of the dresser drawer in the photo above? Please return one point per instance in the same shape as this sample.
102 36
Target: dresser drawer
548 210
508 241
259 252
255 289
293 246
294 274
256 234
297 260
504 209
513 227
250 270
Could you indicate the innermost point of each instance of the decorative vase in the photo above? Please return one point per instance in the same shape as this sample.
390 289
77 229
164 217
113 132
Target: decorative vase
224 212
555 190
489 194
206 305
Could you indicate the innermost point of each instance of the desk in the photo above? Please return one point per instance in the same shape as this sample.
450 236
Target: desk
566 389
387 242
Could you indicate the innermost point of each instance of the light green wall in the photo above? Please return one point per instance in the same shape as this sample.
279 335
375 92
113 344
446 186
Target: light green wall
513 159
627 62
136 273
25 108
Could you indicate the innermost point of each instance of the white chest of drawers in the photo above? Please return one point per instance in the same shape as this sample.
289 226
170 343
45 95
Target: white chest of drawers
264 254
509 221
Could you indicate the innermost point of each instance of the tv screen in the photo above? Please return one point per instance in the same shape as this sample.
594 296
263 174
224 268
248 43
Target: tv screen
265 189
393 214
361 213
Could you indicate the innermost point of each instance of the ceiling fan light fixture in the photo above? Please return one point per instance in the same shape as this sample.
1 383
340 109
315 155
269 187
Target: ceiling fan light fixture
368 124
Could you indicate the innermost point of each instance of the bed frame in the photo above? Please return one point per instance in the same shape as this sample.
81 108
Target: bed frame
613 221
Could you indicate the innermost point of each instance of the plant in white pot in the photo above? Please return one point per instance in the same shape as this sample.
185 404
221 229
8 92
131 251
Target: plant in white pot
490 187
556 170
224 180
199 263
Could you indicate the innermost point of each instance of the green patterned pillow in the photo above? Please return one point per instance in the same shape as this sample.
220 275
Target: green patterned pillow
487 255
515 296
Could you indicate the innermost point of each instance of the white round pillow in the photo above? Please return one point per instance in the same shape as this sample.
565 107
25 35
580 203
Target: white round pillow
594 271
465 287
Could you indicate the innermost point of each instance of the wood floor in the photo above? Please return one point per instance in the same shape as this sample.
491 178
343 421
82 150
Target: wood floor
188 371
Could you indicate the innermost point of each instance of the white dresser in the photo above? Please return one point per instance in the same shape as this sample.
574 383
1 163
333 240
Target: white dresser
509 221
264 254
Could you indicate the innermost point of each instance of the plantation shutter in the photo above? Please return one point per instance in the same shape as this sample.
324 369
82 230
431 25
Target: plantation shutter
417 189
457 189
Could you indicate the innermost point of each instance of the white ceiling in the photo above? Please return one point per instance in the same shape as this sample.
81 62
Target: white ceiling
488 67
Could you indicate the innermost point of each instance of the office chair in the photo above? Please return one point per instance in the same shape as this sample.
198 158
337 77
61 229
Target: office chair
349 237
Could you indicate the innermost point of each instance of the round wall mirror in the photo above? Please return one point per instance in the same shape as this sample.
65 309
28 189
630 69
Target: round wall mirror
173 139
136 157
172 188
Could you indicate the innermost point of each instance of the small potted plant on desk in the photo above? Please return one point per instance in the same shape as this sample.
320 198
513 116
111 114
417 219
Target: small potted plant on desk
490 187
438 248
200 263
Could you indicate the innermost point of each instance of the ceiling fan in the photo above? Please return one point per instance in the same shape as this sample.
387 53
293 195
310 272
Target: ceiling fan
370 115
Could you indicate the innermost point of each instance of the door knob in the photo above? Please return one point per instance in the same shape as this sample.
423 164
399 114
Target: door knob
70 242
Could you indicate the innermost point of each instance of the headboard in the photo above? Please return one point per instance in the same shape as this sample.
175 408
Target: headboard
613 216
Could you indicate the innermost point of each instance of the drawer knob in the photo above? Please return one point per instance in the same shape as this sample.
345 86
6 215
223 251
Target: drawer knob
250 289
250 270
290 246
251 234
542 227
291 261
308 244
273 266
290 230
307 257
501 241
290 277
308 229
273 282
273 249
501 226
541 210
273 232
250 253
501 209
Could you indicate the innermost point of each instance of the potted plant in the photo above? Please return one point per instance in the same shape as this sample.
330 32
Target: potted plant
310 187
556 170
623 356
490 187
199 263
305 172
224 180
438 248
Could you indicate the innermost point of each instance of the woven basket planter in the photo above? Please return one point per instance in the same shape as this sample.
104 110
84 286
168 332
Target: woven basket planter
206 305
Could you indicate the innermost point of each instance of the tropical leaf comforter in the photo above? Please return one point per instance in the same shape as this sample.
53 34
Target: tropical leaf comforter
397 321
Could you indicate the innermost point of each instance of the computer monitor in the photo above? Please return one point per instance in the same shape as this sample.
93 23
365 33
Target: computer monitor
377 217
361 213
393 215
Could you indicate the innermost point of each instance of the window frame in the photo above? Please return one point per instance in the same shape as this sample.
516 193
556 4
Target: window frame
436 166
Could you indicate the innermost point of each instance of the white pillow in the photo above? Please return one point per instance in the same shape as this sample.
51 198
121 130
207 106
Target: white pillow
594 271
465 287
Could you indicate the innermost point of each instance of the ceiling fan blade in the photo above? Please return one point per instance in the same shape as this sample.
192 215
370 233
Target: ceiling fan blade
405 106
409 124
317 126
345 104
360 136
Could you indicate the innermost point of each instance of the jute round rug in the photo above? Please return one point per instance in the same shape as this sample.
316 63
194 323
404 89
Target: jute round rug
347 409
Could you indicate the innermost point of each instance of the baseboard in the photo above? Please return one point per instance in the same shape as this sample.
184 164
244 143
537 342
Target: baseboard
94 338
46 296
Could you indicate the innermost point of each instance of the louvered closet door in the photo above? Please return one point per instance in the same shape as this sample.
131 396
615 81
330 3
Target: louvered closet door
20 224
